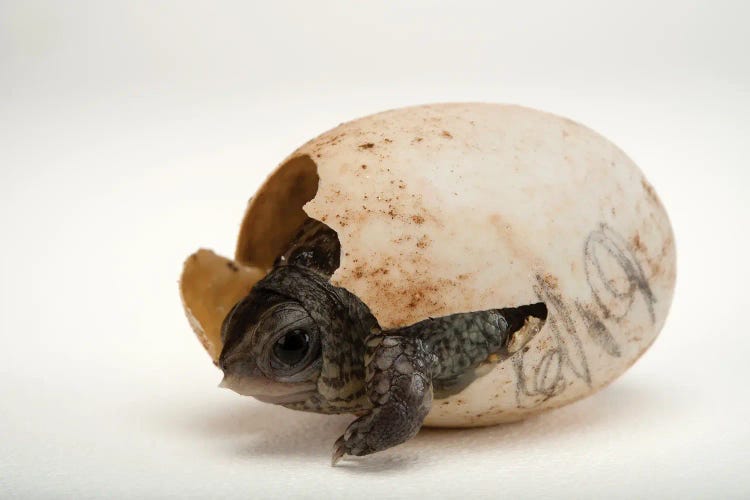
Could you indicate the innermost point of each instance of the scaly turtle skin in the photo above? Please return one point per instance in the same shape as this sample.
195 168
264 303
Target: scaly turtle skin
298 341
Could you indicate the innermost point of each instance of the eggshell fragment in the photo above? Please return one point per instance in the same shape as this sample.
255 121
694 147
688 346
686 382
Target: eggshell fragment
209 287
462 207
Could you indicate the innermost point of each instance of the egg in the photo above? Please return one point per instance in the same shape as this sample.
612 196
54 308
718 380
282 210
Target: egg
450 208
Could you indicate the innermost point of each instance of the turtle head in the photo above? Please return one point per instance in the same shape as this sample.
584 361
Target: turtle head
298 341
272 349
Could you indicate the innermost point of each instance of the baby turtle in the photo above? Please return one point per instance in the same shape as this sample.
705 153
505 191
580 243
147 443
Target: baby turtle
298 341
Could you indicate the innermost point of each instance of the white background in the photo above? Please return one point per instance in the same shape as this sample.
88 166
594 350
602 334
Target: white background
131 134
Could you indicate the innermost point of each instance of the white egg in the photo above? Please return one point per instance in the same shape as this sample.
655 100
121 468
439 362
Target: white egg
451 208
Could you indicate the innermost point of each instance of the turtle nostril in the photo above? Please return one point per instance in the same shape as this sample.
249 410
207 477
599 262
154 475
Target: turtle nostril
223 364
239 367
229 367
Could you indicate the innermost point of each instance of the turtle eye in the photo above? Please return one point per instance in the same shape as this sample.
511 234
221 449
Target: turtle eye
291 348
289 342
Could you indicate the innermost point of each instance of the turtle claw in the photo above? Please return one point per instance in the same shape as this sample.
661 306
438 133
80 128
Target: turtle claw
339 450
353 441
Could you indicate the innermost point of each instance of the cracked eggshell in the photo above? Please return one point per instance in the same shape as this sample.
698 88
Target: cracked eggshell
210 285
452 208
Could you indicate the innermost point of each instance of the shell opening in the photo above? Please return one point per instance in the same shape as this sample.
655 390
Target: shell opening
276 213
525 322
211 285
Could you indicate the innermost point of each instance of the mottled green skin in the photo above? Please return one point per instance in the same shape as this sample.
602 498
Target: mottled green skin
344 322
385 376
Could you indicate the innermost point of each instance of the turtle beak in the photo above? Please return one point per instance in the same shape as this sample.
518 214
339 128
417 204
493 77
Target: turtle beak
266 390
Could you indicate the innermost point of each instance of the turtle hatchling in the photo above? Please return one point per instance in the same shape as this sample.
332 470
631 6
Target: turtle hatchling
450 265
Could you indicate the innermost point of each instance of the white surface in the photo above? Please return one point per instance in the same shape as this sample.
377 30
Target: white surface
133 134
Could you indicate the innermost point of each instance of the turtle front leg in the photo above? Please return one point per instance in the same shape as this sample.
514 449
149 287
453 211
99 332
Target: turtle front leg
403 366
398 376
